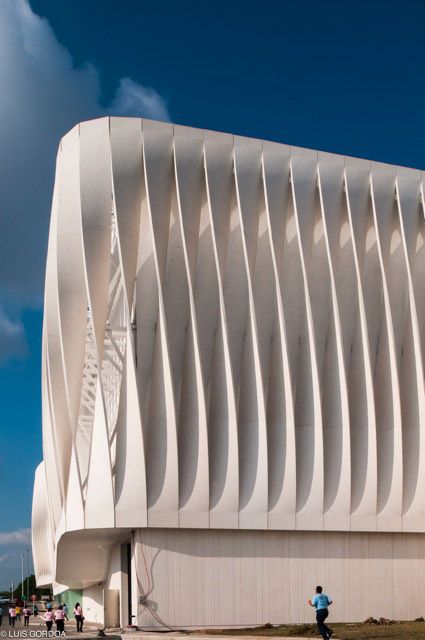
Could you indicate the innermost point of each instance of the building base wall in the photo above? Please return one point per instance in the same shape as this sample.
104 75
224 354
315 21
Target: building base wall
221 578
106 603
93 604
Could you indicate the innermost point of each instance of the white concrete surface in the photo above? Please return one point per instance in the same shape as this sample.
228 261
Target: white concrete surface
233 339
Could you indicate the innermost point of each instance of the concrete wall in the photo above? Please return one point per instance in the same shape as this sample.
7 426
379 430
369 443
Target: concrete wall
93 598
93 604
220 578
117 579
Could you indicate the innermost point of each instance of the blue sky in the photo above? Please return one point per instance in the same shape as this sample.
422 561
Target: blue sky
343 76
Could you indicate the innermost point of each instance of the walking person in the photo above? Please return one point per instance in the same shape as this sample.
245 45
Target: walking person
48 619
12 616
78 613
60 619
27 614
65 610
321 602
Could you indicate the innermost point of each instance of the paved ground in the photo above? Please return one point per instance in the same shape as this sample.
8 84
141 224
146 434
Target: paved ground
178 636
37 629
137 635
37 626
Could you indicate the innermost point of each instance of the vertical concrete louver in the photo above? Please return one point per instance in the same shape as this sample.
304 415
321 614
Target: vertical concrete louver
233 338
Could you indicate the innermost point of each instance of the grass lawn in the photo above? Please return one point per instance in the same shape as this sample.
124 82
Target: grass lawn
395 631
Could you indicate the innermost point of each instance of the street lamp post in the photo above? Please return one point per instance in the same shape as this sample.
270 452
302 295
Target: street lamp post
28 573
22 572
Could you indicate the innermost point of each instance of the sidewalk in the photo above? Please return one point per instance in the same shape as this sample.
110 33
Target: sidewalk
91 629
90 633
166 635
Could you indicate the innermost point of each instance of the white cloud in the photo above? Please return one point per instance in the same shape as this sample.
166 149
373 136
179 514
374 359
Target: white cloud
9 327
43 95
133 99
12 336
22 536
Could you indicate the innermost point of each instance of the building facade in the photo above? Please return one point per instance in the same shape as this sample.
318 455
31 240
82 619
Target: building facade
233 389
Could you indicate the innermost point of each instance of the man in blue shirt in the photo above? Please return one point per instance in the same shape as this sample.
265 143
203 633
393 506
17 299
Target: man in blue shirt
321 603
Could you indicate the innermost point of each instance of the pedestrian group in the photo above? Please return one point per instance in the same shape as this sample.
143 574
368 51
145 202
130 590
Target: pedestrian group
57 616
60 615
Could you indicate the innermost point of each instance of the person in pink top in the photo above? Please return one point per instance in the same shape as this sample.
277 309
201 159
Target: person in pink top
27 614
48 619
78 613
12 616
60 618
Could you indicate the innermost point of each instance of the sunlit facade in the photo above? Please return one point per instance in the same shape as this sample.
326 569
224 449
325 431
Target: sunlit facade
233 399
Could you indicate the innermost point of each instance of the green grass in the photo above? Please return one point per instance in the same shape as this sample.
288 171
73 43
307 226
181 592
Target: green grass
394 631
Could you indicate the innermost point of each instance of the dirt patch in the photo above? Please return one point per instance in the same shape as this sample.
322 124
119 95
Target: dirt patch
385 630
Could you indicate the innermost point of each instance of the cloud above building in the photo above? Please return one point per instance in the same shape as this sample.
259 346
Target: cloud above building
43 95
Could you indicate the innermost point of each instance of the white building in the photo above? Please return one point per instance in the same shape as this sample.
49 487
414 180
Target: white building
233 399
